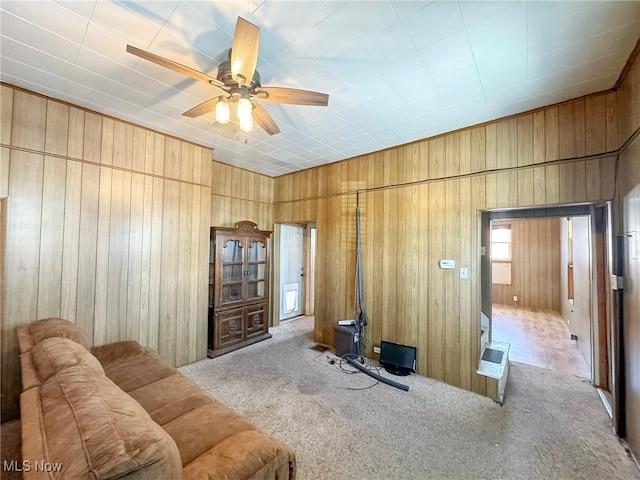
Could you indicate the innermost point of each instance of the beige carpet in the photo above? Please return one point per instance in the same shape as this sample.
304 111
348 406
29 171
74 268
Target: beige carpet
552 425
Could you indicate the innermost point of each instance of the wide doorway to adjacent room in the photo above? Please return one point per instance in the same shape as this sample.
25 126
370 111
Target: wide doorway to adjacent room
546 292
535 305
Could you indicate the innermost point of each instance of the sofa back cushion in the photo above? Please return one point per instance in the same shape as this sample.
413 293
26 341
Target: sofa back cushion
55 354
80 419
33 333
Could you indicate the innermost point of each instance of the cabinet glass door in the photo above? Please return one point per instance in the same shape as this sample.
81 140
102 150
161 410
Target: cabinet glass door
232 271
256 268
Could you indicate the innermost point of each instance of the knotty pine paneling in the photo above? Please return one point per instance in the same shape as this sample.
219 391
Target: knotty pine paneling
535 267
422 202
97 233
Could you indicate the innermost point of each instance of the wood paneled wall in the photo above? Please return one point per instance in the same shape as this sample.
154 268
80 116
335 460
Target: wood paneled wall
578 313
238 194
628 221
535 265
107 226
420 204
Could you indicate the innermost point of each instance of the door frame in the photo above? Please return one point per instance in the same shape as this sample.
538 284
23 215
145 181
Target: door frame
306 296
604 320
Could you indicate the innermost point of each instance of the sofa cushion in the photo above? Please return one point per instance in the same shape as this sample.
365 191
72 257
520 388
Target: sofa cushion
55 354
170 397
113 354
95 430
137 370
33 333
250 454
200 429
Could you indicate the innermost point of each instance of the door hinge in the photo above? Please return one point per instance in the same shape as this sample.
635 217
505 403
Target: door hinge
617 282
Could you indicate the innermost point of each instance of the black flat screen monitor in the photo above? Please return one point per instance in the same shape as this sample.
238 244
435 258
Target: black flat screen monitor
397 359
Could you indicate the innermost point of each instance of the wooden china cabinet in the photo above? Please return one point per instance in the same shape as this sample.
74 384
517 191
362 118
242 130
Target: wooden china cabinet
238 287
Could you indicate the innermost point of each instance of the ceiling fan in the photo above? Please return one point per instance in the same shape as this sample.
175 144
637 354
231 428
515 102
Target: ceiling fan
238 84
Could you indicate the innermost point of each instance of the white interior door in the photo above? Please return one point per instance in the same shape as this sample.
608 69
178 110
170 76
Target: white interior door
291 271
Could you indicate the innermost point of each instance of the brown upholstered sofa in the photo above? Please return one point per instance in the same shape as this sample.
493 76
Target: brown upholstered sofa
121 411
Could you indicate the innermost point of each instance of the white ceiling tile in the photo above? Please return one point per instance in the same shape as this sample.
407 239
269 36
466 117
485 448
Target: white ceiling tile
326 40
295 18
7 6
433 119
410 78
295 60
107 44
602 17
609 42
120 21
450 61
594 85
475 11
434 22
6 50
593 68
388 46
53 18
504 78
157 11
201 30
469 107
31 35
362 19
83 8
333 5
500 40
568 18
461 92
7 24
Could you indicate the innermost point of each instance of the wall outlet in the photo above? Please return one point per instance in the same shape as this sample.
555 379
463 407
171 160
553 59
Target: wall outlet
376 349
515 298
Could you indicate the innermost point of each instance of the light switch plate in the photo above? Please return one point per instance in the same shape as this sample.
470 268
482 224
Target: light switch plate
464 272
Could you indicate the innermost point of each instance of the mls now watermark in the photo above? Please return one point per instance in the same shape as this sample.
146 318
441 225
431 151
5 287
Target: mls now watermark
29 466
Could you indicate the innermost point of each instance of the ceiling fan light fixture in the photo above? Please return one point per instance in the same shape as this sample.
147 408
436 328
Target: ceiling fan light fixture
244 109
246 124
223 113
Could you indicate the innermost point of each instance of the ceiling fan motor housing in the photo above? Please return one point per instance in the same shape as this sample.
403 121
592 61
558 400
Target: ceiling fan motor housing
225 76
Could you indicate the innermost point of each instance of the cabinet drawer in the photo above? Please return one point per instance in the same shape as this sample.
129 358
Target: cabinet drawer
257 319
228 327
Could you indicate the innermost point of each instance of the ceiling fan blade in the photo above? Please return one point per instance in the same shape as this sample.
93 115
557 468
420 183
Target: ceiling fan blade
176 67
204 107
244 51
292 95
262 118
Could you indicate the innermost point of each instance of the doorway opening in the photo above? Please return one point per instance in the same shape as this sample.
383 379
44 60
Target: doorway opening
544 283
534 306
294 271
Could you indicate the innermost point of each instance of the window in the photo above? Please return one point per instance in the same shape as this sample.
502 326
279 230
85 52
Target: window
501 244
501 254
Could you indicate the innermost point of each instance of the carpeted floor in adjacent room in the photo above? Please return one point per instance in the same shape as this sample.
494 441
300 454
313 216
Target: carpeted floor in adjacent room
552 425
